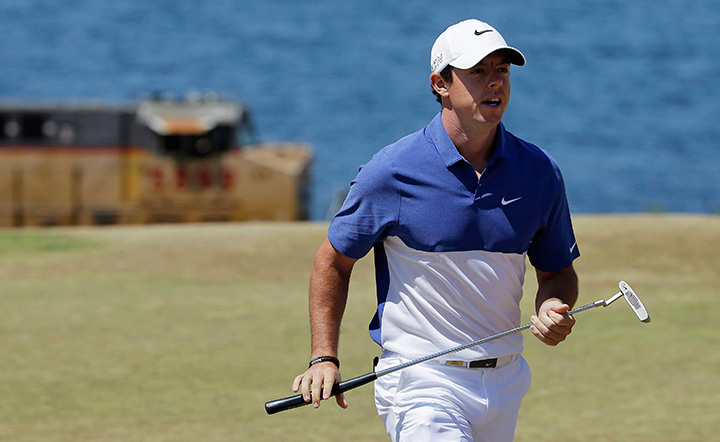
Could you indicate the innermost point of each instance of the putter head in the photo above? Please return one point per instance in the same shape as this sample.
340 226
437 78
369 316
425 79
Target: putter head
634 302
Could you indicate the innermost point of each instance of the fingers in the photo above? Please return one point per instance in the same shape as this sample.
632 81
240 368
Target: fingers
327 387
552 326
317 382
340 399
296 383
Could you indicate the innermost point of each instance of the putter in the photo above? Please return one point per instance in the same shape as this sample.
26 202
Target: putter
295 401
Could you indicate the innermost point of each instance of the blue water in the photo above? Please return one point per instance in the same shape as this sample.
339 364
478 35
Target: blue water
624 94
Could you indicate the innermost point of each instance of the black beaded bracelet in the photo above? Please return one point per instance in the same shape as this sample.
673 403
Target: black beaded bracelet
320 359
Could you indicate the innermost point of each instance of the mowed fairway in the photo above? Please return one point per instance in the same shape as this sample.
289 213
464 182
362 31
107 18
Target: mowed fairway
183 332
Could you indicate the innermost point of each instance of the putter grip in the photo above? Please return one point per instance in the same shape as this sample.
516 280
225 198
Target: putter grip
287 403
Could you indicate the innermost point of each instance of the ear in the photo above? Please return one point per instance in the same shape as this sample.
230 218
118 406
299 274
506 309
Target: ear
439 84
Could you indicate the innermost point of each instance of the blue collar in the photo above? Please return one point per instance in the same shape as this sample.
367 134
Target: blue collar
436 133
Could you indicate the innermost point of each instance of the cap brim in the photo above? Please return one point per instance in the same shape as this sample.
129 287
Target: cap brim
475 56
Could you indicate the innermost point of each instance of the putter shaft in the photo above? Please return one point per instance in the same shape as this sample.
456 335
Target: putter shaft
482 341
287 403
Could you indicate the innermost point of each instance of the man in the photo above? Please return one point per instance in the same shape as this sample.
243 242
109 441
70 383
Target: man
451 213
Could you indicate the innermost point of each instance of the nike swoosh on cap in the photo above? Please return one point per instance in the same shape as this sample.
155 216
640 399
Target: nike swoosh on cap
482 32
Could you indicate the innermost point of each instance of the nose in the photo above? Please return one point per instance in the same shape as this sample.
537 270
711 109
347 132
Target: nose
496 81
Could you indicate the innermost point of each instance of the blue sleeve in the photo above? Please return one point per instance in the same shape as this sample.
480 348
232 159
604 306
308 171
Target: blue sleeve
370 209
554 247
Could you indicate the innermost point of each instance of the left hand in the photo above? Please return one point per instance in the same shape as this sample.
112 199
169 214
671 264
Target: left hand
553 323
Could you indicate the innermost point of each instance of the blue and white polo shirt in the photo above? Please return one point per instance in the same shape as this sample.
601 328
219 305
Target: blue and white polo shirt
450 248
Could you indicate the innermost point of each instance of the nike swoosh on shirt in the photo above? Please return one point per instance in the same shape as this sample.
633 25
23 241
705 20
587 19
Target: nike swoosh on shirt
573 247
505 202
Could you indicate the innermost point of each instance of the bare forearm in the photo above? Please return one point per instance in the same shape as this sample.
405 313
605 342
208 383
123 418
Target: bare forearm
329 283
561 285
328 297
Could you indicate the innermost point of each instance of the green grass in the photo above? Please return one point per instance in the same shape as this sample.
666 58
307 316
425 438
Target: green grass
181 333
24 242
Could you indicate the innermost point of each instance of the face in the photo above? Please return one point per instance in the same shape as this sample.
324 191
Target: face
480 95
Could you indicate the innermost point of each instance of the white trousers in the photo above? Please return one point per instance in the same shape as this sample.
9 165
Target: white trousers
435 403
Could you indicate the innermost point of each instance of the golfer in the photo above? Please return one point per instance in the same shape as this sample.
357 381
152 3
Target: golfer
451 212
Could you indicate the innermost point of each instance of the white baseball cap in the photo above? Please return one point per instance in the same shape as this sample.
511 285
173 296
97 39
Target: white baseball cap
465 44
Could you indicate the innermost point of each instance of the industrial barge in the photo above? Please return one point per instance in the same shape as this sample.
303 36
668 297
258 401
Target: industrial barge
153 161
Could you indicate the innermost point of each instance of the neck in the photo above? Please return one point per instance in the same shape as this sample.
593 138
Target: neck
474 144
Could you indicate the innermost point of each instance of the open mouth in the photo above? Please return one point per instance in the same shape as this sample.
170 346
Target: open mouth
492 102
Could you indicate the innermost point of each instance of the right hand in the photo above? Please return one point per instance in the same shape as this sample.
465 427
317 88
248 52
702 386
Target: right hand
316 379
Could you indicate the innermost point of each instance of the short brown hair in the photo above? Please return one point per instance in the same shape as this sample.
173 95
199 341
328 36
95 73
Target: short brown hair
446 74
